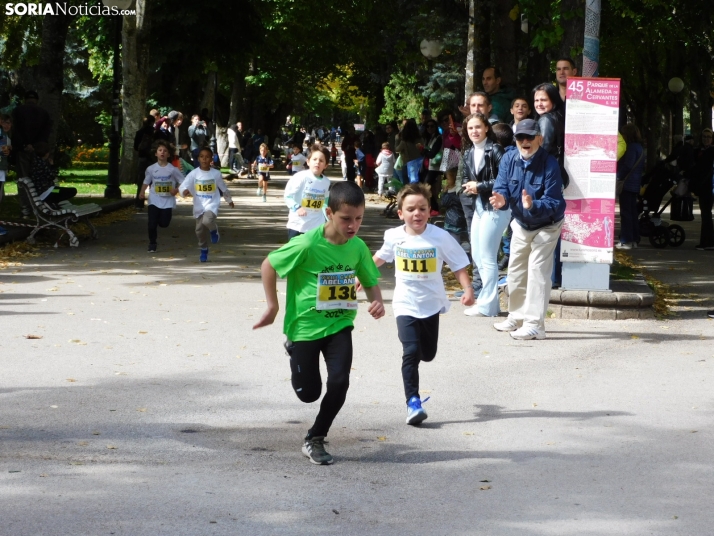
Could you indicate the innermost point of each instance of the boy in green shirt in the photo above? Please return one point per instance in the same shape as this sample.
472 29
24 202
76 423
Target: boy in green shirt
321 267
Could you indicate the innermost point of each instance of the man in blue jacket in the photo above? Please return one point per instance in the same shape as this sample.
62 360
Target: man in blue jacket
529 182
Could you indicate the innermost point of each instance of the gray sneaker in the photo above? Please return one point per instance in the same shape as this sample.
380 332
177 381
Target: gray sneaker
315 450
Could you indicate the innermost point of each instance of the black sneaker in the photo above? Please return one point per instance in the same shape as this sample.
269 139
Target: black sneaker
152 248
503 263
314 449
710 314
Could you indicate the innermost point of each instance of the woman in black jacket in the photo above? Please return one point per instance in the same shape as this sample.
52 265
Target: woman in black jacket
477 173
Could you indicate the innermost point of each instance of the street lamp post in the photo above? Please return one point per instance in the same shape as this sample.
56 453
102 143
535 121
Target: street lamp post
431 49
676 85
112 191
213 143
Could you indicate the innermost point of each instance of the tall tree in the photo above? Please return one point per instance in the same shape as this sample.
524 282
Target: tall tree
135 66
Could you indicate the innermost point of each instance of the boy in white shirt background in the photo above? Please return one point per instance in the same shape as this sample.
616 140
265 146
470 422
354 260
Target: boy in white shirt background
162 179
418 250
297 160
306 194
206 186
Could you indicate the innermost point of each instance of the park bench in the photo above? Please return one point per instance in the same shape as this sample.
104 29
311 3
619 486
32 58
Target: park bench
60 217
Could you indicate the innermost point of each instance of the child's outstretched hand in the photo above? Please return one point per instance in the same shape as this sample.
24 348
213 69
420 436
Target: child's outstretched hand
185 193
468 297
174 191
232 204
376 309
268 317
301 212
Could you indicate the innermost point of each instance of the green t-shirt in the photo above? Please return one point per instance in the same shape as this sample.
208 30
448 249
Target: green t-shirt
321 296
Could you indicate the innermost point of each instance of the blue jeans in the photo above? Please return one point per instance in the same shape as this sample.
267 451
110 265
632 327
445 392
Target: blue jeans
413 168
487 228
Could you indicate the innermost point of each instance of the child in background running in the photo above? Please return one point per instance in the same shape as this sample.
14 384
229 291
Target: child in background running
306 194
162 179
264 164
321 305
297 161
418 250
385 167
206 185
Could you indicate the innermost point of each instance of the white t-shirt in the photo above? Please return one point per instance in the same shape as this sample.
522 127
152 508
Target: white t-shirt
232 138
298 161
206 187
418 259
161 180
311 193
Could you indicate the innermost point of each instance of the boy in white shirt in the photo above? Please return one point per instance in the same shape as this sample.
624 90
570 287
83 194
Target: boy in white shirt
385 167
418 250
206 186
306 194
162 179
297 160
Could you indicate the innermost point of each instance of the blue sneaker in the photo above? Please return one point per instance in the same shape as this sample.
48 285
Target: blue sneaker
3 231
503 282
415 413
215 237
204 255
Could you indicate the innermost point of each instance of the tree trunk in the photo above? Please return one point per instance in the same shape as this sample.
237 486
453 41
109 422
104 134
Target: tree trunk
482 54
572 19
237 98
591 47
47 77
504 43
469 85
207 101
135 68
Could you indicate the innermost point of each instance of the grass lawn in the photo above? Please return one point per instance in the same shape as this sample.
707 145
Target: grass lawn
87 182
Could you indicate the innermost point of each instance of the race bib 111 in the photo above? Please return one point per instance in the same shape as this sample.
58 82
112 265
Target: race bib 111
416 264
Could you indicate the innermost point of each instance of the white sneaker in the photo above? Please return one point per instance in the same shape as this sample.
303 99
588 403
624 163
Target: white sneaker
473 311
623 245
259 192
527 333
509 324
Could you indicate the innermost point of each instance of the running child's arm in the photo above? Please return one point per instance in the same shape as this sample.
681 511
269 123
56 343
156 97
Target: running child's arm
293 195
224 191
376 306
270 279
462 276
145 186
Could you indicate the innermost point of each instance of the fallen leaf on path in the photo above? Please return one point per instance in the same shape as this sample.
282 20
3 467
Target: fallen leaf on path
83 443
30 336
71 380
382 438
142 410
468 433
143 332
111 447
483 488
634 337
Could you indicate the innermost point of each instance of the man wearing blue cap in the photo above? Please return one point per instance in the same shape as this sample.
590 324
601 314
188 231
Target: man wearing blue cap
529 182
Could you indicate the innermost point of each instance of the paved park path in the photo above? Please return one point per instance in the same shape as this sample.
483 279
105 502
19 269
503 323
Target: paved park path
149 406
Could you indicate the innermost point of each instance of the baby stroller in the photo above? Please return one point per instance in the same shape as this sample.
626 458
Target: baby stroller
391 195
657 183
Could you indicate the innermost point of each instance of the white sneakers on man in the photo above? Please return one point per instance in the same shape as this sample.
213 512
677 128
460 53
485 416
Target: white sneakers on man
509 324
527 333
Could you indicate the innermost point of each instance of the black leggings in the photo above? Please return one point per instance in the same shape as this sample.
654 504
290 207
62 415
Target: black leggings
306 379
60 194
292 233
419 338
158 217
